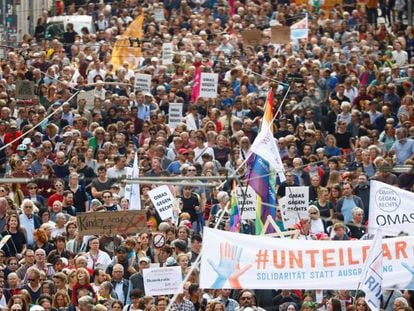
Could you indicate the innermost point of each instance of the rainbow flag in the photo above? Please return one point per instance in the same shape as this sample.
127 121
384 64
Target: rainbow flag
262 167
234 210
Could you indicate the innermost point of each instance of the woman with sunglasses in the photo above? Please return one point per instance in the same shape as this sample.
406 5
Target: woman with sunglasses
318 225
361 304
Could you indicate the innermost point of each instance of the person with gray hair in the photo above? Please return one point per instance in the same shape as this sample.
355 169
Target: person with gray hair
105 293
400 303
29 220
59 228
219 208
356 225
86 303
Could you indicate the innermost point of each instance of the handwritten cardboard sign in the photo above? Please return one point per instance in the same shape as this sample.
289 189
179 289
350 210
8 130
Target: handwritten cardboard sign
25 89
112 223
280 34
252 37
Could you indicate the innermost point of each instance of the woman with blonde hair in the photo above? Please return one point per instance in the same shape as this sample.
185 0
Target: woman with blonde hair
82 282
97 141
325 206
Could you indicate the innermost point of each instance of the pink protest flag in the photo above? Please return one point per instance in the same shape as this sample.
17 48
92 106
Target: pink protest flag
196 84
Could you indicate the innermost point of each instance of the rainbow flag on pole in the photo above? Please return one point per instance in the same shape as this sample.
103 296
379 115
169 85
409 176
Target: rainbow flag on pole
262 167
234 210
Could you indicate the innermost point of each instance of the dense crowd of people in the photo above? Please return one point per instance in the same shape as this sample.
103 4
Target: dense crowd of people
345 116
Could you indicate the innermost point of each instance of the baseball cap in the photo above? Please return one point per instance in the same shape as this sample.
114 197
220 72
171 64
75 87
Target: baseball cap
146 259
170 262
183 151
121 249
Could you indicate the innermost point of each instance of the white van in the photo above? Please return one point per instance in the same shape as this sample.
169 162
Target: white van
56 26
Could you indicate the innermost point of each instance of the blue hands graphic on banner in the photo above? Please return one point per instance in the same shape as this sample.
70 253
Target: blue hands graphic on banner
228 267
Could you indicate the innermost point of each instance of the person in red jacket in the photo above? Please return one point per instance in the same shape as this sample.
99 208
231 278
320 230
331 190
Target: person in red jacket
12 134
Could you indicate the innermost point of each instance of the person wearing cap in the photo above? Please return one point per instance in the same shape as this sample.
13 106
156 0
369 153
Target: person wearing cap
174 167
12 134
121 258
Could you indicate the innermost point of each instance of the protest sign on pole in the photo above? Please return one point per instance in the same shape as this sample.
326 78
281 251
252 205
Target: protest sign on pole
175 115
162 281
246 201
233 260
390 208
143 82
112 223
25 89
208 85
163 201
294 205
89 97
167 53
159 15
